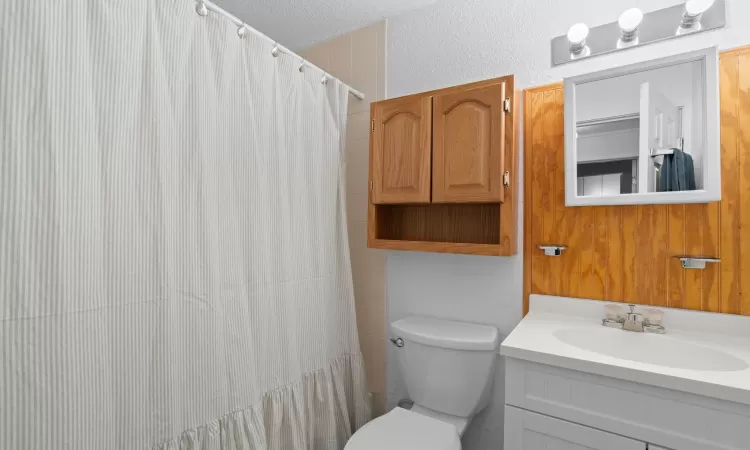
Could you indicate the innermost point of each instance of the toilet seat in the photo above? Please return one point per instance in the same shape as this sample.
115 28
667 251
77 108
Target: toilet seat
405 430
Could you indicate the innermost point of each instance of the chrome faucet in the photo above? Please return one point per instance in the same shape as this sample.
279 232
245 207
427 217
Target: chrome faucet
634 321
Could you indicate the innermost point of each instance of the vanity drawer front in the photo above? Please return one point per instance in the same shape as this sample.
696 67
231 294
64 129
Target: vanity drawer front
663 417
525 430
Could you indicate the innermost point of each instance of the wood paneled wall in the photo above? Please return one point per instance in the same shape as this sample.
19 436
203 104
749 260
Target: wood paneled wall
627 253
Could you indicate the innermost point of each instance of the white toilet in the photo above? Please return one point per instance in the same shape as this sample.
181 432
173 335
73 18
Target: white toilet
448 367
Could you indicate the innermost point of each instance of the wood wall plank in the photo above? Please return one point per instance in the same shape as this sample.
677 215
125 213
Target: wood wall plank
629 280
743 149
584 249
628 253
539 279
675 272
552 136
528 249
693 246
711 282
614 276
651 246
729 76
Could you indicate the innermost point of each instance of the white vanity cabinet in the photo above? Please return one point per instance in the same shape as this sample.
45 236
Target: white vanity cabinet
525 430
571 383
553 407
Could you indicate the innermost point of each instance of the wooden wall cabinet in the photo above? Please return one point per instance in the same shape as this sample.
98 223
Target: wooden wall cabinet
442 171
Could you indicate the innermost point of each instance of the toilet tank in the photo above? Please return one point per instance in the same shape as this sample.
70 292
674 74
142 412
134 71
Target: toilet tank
448 366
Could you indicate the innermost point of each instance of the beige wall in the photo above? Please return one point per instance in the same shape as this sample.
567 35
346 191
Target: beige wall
358 59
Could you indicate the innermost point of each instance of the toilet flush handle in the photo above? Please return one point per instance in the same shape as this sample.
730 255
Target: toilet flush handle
398 342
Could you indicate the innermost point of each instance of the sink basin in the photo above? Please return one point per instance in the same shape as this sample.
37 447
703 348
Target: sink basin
653 349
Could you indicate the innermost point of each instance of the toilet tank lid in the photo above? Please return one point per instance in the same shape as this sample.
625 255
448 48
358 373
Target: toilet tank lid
446 333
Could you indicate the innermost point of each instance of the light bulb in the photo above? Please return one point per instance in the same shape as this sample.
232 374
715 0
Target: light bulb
691 20
577 38
578 33
698 7
630 20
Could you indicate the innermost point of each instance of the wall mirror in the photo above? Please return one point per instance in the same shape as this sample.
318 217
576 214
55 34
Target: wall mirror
644 134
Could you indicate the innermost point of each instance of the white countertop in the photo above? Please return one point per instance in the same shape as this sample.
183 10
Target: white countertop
702 353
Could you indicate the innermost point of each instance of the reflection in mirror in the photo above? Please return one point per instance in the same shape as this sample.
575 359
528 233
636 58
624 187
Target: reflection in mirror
641 132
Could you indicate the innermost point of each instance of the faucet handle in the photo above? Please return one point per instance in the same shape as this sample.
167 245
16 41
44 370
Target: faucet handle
633 316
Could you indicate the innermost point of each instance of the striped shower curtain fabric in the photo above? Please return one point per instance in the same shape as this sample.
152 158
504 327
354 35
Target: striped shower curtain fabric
174 262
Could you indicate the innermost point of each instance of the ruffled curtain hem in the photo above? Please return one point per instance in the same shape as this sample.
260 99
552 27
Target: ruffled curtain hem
320 412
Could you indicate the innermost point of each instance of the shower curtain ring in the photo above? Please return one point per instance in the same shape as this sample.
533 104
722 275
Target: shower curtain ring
302 67
201 9
242 31
325 79
275 51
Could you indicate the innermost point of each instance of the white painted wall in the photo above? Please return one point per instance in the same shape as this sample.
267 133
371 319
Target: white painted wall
621 95
621 144
455 42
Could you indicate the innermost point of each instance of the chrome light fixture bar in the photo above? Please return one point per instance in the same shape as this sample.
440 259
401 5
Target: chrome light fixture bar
635 29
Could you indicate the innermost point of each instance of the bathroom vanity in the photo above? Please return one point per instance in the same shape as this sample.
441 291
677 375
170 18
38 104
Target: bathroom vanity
572 383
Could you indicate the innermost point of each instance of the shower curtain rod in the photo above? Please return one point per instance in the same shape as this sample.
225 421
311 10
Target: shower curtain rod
277 47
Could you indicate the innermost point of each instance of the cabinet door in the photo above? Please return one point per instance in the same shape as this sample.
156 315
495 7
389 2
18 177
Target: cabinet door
525 430
401 150
469 145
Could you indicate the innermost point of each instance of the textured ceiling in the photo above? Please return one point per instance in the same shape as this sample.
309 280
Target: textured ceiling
298 24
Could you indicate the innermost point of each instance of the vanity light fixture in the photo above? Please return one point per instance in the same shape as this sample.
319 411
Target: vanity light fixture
636 28
577 37
694 9
630 22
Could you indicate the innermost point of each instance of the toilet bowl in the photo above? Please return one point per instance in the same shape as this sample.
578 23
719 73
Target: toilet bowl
448 368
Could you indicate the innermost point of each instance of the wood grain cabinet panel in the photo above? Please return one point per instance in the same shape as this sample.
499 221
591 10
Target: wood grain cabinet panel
468 145
401 150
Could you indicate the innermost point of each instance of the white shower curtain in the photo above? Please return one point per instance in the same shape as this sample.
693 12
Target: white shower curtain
174 265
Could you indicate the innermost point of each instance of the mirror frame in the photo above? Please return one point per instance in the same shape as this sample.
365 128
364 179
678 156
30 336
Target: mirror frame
712 160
